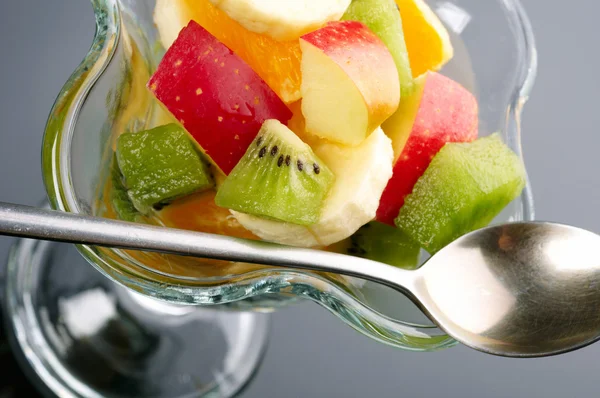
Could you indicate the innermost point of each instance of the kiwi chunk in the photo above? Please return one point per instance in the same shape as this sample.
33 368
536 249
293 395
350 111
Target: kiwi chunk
160 165
463 189
118 195
278 178
381 242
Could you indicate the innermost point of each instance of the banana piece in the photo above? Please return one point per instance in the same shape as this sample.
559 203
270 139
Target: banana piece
283 19
170 16
361 172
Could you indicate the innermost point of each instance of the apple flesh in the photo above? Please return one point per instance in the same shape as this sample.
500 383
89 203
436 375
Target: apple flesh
349 82
446 112
383 18
215 95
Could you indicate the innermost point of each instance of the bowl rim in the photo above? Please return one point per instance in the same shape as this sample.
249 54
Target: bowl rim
58 137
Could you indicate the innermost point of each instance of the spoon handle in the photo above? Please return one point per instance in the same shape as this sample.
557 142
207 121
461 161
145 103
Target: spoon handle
31 222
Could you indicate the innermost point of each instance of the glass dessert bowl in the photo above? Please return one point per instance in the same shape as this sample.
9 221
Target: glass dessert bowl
494 58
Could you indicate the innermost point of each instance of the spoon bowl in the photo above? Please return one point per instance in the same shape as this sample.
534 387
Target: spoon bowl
524 289
519 290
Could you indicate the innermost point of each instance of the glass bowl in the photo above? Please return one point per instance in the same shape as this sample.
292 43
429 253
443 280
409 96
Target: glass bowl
495 58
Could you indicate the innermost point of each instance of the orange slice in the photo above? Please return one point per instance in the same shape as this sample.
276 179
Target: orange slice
427 40
276 62
200 213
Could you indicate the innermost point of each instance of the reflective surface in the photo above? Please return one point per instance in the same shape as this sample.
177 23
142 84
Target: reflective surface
80 335
528 289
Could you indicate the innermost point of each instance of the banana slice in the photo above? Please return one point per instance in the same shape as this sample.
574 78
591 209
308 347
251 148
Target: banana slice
283 19
170 16
361 172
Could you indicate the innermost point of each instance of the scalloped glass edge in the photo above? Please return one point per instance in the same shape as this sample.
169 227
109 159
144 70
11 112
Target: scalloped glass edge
282 285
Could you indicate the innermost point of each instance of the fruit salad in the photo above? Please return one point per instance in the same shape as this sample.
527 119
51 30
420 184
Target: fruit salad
312 123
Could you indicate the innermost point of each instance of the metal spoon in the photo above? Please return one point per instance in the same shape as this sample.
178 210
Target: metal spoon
519 290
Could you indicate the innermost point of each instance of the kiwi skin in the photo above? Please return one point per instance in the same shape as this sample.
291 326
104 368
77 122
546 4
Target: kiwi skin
279 178
118 195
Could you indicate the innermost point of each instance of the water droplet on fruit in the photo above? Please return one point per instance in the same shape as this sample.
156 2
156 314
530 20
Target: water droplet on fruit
262 152
274 150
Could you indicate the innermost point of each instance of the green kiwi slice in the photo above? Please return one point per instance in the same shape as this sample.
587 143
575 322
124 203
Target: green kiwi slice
160 165
278 178
464 188
381 242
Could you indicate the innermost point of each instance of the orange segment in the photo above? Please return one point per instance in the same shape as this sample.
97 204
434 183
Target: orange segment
427 40
200 213
276 62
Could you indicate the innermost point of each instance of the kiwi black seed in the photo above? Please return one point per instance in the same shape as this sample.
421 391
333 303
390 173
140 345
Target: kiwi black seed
316 168
260 185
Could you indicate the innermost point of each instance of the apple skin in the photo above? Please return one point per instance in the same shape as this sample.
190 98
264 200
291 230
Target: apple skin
215 95
447 113
358 87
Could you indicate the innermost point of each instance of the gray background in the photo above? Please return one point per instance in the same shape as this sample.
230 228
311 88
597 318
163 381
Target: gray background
311 353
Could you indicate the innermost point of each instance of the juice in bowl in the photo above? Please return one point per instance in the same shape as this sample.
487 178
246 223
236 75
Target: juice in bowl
375 128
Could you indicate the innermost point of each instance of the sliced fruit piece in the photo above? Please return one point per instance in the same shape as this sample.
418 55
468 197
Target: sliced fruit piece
349 82
361 174
198 212
380 242
464 188
278 178
399 126
283 20
217 97
427 40
160 165
382 17
277 63
447 112
118 195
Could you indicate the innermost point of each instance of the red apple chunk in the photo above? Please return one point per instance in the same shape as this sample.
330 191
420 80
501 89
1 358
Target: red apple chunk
349 82
447 112
215 95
